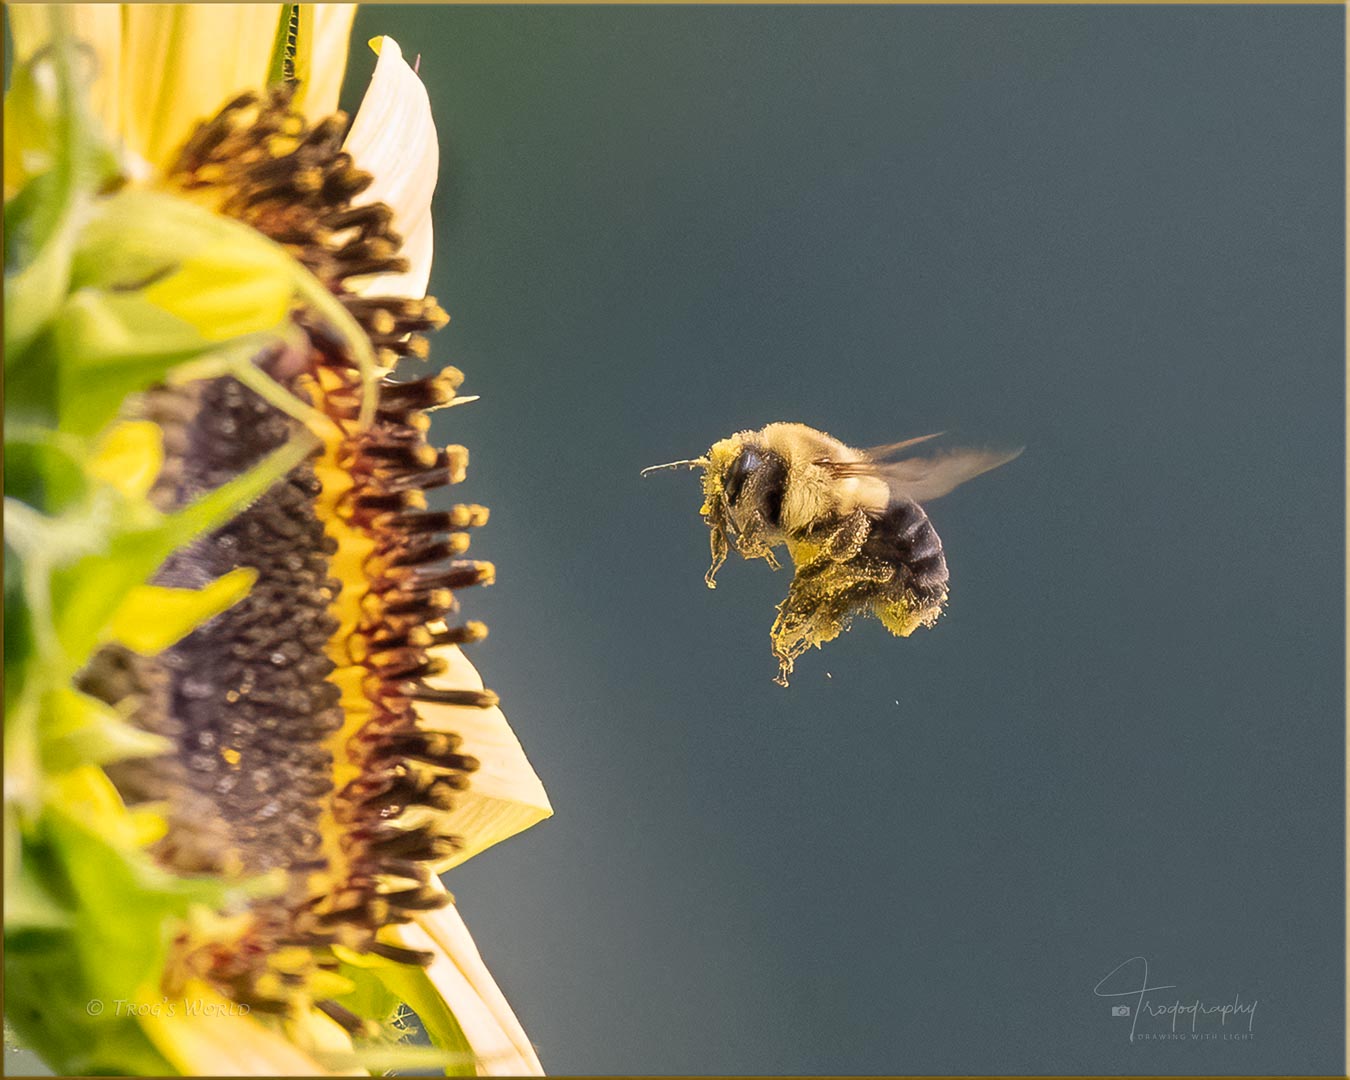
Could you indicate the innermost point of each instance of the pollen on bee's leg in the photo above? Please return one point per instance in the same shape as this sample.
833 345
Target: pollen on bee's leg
903 611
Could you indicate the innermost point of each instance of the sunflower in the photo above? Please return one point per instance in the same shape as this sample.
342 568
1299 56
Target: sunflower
242 741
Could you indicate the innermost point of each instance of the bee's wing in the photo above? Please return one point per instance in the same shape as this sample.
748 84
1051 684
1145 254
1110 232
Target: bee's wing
881 453
923 478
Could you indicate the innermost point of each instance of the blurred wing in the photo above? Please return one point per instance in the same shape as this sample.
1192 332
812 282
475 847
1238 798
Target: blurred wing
881 453
925 478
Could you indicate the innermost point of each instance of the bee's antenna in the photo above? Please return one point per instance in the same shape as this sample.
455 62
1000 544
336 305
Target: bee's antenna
692 463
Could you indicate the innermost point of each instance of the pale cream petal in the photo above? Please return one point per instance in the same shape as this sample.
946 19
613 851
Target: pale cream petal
468 989
321 56
417 244
182 62
505 796
394 139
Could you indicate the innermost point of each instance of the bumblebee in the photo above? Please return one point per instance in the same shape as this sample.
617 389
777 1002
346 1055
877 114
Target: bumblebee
851 520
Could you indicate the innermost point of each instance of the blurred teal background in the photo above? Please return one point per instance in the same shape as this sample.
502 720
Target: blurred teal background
1114 234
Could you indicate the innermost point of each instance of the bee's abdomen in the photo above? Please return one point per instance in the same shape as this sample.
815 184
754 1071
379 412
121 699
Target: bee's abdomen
904 537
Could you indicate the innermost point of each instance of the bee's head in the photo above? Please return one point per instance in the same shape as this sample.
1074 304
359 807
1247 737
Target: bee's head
743 485
746 480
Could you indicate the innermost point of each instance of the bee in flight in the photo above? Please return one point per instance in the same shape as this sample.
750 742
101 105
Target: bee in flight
852 522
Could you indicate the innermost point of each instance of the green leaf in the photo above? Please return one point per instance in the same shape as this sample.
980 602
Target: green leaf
151 617
55 161
37 285
42 467
29 908
118 905
369 997
48 125
159 281
221 277
414 986
107 346
52 1016
87 592
119 901
18 635
81 730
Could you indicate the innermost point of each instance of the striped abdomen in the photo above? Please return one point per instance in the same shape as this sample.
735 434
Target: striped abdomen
904 537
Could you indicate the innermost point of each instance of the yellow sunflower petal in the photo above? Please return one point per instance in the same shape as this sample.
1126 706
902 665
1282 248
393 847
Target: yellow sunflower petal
159 69
499 1043
180 62
394 137
322 1038
321 56
130 457
505 795
153 617
218 1041
99 26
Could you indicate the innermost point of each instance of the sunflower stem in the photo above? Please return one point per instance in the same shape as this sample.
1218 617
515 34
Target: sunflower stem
276 395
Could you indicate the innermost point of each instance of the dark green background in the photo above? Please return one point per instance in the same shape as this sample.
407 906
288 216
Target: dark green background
1112 234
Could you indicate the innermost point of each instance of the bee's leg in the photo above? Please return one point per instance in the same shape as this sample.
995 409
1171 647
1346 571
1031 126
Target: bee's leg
717 540
823 598
840 543
752 543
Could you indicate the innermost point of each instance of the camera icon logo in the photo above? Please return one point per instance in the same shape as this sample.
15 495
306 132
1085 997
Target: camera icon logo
1120 1010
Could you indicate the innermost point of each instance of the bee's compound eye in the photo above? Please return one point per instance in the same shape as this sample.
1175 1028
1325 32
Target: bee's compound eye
771 491
747 461
771 484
